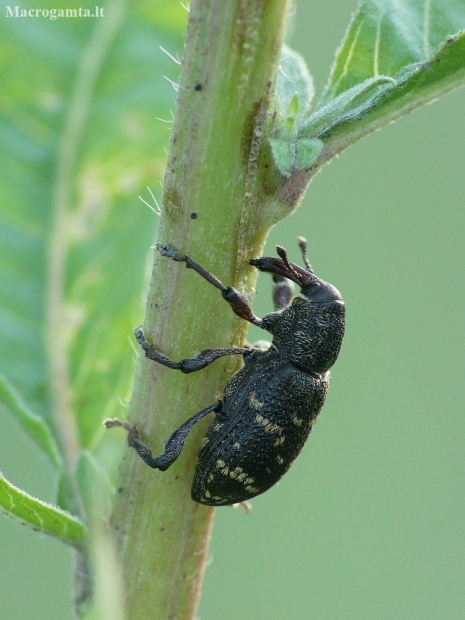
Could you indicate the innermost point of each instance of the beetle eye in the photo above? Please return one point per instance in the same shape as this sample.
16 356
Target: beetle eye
312 287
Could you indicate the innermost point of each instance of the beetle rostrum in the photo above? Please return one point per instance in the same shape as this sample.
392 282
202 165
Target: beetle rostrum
270 406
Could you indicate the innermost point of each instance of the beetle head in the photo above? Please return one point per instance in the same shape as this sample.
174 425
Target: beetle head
312 287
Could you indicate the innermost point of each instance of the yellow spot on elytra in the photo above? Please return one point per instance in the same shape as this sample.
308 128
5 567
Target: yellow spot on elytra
280 460
273 428
268 426
297 421
254 402
218 499
279 441
221 465
234 473
251 489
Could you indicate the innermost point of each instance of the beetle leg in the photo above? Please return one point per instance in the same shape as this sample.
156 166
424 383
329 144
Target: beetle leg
283 290
173 446
240 305
191 364
238 302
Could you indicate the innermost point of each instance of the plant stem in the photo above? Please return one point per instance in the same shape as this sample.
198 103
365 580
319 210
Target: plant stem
218 168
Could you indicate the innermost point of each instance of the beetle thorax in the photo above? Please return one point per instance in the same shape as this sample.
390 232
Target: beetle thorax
308 334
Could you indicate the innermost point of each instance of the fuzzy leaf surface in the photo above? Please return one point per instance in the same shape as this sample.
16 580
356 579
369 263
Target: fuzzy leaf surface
385 36
395 57
39 515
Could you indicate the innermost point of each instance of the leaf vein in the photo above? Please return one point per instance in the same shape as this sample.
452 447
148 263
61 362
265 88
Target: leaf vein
345 69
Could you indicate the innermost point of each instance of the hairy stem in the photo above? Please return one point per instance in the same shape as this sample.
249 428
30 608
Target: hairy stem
218 183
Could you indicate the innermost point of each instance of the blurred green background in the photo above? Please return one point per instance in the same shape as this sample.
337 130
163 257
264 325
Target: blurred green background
369 521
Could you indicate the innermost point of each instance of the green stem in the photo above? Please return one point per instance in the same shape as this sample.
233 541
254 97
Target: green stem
218 168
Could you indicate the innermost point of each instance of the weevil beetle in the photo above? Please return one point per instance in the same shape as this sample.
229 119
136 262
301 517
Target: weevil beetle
270 406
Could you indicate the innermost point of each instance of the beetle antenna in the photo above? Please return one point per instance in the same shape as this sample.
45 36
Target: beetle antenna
303 248
283 255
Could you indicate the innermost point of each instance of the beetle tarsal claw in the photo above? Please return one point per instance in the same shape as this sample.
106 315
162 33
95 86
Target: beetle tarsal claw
166 249
112 423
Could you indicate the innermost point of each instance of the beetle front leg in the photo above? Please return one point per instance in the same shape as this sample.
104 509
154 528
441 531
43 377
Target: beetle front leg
238 302
191 364
173 446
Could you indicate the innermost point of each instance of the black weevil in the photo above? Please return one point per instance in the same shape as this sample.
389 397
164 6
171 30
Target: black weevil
270 406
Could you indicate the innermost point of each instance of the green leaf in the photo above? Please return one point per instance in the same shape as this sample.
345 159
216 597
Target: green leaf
80 141
396 57
294 84
294 93
294 154
34 425
378 101
347 106
385 36
41 516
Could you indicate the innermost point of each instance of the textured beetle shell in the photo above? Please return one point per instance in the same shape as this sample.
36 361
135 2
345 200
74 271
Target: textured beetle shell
269 408
308 334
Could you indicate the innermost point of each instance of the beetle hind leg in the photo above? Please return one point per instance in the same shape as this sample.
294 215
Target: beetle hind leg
173 446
